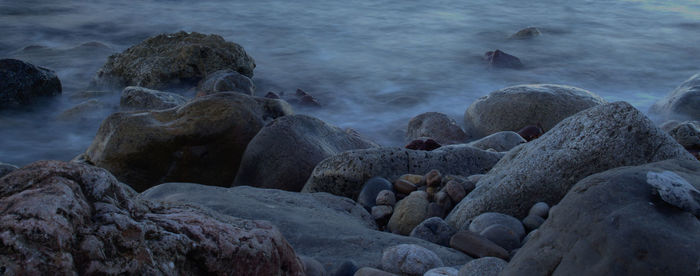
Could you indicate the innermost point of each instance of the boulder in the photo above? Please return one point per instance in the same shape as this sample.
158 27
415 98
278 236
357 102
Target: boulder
683 103
329 228
500 59
345 173
201 141
24 83
612 223
6 168
434 230
437 126
409 259
225 80
499 141
515 107
486 266
139 98
592 141
409 212
67 218
284 153
169 61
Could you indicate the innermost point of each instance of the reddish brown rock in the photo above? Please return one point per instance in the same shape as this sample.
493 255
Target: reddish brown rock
68 218
531 132
428 145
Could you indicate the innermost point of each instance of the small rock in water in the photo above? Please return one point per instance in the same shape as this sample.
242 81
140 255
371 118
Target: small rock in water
434 230
347 268
386 197
500 59
409 259
540 209
22 83
531 132
372 188
487 266
306 99
532 222
676 191
272 95
503 236
477 246
527 33
442 271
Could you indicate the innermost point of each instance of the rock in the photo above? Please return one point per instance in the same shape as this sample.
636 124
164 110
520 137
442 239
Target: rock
384 197
499 141
499 59
139 98
531 132
409 259
486 220
370 191
67 218
529 236
611 223
592 141
84 110
174 60
487 266
312 267
427 145
476 245
503 236
435 210
683 103
201 141
416 179
540 209
347 268
89 94
24 83
455 190
305 99
329 228
408 213
527 33
434 230
284 153
676 191
433 178
687 134
272 95
444 200
532 222
474 178
382 213
370 271
515 107
225 80
437 126
442 271
345 173
6 168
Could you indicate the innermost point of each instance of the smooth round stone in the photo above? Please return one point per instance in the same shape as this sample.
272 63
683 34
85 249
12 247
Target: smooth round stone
442 271
404 186
416 179
503 236
476 246
455 190
532 222
369 192
433 178
408 213
347 268
312 267
434 230
483 221
486 266
540 209
382 212
409 259
386 197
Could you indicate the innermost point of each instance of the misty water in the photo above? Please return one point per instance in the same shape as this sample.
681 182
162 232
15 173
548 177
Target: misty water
372 64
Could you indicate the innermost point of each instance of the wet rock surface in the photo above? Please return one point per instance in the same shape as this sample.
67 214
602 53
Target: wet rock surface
139 98
22 83
437 126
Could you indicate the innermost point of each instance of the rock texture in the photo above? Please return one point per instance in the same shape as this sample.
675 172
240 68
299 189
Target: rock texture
225 80
409 259
6 168
592 141
434 230
516 107
486 266
345 173
409 212
173 61
284 153
682 103
67 218
499 141
201 141
437 126
139 98
22 83
612 223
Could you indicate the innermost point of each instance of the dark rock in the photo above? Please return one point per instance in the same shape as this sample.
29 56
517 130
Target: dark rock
433 178
369 192
382 214
435 210
409 259
6 168
139 98
404 186
347 268
540 209
444 201
226 80
408 213
531 132
272 95
503 236
455 190
443 129
486 266
532 222
24 84
486 220
527 33
312 267
427 145
384 197
499 59
476 246
306 99
434 230
499 141
683 103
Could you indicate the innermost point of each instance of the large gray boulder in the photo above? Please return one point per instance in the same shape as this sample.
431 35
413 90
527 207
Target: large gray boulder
437 126
345 173
140 98
174 60
683 103
513 108
592 141
202 141
22 83
328 228
285 151
613 223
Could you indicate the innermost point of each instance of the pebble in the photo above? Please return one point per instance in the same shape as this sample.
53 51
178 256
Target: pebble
409 259
540 209
487 266
483 221
404 186
382 213
372 188
408 213
386 197
476 246
434 230
455 190
532 222
416 179
502 236
433 178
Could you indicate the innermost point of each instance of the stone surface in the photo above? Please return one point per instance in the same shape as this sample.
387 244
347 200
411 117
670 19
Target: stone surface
540 209
527 33
384 197
612 223
178 60
345 173
201 141
24 83
436 210
347 268
408 213
442 271
225 80
503 236
370 191
433 178
437 126
500 59
683 103
487 266
486 220
409 259
515 107
284 153
6 168
67 218
532 222
382 213
592 141
675 190
455 191
93 109
404 186
476 246
329 228
420 144
499 141
687 134
139 98
434 230
370 271
312 267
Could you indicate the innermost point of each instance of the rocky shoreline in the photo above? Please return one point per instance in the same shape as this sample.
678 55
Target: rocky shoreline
542 179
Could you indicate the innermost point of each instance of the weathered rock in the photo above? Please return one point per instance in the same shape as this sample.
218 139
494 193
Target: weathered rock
515 107
312 267
24 84
305 99
442 271
67 218
687 134
455 190
173 60
84 110
201 141
487 266
683 103
370 191
612 223
437 126
408 213
499 141
527 33
532 222
434 230
139 98
404 186
382 213
676 191
225 80
592 141
476 245
433 178
540 209
345 173
486 220
503 236
284 153
370 271
272 95
347 268
409 259
384 197
329 228
6 168
499 59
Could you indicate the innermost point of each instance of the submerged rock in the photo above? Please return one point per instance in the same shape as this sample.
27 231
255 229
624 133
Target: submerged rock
6 168
22 83
527 33
139 98
499 59
682 103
